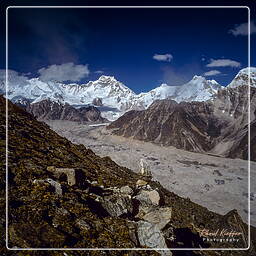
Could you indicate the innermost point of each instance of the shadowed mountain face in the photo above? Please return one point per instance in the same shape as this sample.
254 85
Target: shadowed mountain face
50 110
89 206
189 126
219 126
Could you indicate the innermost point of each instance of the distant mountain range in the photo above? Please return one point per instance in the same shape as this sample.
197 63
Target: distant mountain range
217 126
115 98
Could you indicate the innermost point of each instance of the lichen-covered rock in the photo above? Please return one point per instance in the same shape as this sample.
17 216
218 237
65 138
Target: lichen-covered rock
126 190
150 235
83 224
117 204
56 185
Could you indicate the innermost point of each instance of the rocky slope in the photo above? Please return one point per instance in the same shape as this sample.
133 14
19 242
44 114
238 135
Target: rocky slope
219 125
63 195
190 126
232 104
243 78
50 110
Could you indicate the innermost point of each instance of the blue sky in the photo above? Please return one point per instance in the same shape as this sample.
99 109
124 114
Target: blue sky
140 47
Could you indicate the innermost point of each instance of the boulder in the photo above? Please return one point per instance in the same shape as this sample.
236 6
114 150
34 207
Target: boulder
82 224
56 185
146 197
141 183
73 176
150 235
126 190
117 204
159 216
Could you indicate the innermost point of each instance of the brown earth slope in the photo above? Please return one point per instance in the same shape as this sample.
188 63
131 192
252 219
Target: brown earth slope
38 217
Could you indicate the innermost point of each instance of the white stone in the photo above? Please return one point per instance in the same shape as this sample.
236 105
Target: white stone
151 236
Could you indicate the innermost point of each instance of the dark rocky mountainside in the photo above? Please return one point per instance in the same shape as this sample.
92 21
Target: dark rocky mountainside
233 141
219 126
63 195
50 110
190 126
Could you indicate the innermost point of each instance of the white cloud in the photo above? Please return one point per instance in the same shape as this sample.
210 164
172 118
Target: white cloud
14 78
64 72
175 76
242 29
99 72
212 73
223 63
163 57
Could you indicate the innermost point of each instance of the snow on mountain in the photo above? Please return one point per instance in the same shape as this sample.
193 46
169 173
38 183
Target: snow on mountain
144 99
116 98
242 77
198 89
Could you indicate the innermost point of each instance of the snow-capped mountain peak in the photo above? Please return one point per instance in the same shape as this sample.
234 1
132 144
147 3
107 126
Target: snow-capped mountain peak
115 97
198 78
107 79
242 78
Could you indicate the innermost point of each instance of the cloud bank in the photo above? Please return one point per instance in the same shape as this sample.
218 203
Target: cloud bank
64 72
14 78
175 76
223 63
212 73
163 57
242 29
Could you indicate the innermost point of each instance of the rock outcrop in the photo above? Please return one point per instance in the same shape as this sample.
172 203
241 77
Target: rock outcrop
97 102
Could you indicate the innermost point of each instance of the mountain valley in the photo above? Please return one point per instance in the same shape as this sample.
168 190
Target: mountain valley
218 183
63 195
190 137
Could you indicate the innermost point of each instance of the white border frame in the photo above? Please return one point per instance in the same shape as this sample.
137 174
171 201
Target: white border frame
130 249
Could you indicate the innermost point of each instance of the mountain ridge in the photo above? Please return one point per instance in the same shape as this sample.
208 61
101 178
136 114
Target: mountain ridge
112 93
117 98
218 126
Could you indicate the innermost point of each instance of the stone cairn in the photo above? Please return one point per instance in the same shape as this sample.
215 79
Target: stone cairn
144 172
